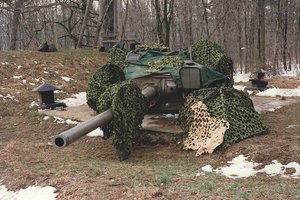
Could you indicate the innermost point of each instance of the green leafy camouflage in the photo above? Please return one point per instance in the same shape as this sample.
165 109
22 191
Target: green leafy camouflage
117 57
103 78
210 54
128 107
174 61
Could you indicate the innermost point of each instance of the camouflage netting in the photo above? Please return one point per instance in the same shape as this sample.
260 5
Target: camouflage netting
174 61
228 105
103 78
128 107
117 57
107 90
211 55
204 137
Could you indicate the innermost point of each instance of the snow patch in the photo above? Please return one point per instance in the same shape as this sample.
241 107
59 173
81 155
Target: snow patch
30 193
241 77
8 97
240 167
17 77
273 92
67 79
271 106
19 66
95 133
60 120
76 100
34 104
239 87
46 118
207 168
293 73
170 116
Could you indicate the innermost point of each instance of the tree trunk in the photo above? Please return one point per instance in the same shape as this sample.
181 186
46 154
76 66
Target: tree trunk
168 17
298 40
246 54
84 22
15 24
285 27
102 14
277 34
125 20
240 38
205 17
261 33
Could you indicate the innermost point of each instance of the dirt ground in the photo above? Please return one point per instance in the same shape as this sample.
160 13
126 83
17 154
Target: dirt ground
156 169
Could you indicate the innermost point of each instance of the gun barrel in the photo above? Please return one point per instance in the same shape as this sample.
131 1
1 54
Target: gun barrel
69 136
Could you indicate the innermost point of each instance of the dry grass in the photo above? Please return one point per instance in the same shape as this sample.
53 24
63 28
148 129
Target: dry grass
88 168
285 82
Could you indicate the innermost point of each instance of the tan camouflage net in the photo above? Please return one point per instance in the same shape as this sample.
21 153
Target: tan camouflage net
205 132
229 106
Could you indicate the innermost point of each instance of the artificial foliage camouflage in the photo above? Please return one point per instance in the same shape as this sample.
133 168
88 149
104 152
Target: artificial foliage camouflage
128 106
117 57
103 78
174 61
153 46
226 104
210 54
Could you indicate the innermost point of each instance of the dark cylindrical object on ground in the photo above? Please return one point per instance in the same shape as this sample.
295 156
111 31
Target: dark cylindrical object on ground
67 137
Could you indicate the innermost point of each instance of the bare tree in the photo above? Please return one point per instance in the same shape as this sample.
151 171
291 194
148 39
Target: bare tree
164 16
84 22
15 24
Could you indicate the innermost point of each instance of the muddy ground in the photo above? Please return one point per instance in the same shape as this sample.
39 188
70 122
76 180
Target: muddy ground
157 168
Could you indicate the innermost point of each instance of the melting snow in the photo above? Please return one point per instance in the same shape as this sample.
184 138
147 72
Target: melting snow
34 104
77 100
8 97
207 168
95 133
30 193
67 79
46 118
271 106
17 77
241 77
273 92
240 167
239 87
171 116
293 73
19 66
60 120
